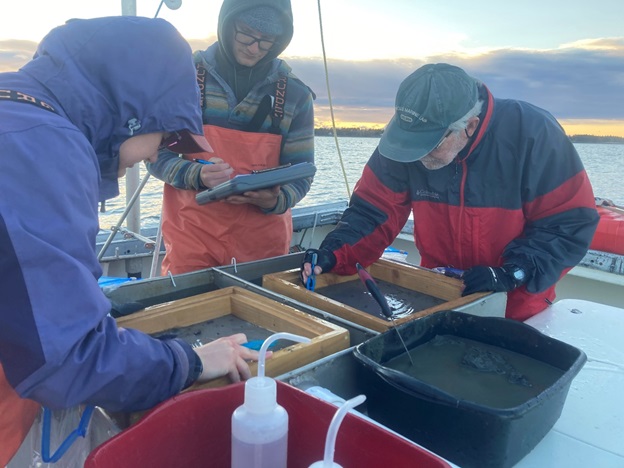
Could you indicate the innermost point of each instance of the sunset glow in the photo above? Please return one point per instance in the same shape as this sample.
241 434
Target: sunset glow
594 127
370 47
358 119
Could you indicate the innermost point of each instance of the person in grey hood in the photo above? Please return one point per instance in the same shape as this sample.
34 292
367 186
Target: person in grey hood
92 102
257 115
239 63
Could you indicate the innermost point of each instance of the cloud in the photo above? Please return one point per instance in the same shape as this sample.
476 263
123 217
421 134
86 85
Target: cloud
15 53
570 82
579 80
583 80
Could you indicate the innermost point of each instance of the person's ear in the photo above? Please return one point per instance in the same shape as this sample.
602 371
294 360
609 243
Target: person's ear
473 123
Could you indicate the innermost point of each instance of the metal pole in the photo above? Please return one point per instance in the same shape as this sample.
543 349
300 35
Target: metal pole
128 8
129 206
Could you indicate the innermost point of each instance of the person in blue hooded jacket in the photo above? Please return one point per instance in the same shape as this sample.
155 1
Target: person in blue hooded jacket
98 96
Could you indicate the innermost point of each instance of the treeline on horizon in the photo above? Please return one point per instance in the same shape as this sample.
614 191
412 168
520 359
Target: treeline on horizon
376 133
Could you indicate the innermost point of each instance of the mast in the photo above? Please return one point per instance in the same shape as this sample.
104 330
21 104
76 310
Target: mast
132 214
133 221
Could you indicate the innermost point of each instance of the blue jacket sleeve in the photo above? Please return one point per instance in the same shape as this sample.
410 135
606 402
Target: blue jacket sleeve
58 345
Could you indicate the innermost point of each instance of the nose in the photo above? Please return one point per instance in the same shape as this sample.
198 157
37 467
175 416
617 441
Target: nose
254 47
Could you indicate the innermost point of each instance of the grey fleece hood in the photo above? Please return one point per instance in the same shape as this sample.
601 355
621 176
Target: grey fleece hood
230 9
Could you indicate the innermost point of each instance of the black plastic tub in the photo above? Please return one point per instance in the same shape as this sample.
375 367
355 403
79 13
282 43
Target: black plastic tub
465 432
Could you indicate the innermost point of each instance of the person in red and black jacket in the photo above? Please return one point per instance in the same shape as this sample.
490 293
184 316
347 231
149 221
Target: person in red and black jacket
495 186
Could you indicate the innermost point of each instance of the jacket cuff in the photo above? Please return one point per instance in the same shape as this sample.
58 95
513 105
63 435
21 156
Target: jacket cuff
281 205
195 366
197 184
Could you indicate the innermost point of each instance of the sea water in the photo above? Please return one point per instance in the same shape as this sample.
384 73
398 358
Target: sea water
604 164
477 372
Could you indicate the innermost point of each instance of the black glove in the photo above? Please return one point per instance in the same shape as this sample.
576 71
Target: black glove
324 258
483 278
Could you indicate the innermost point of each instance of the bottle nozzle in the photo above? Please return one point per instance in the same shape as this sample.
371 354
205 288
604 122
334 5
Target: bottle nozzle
332 432
271 339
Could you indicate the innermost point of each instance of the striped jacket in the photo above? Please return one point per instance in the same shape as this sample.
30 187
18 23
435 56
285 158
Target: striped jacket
220 109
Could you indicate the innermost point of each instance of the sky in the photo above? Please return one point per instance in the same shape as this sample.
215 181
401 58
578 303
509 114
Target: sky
567 57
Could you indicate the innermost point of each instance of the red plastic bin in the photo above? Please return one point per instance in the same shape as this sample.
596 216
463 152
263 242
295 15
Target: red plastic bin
194 429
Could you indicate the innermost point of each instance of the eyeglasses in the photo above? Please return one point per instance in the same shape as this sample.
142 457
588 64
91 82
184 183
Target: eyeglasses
448 132
169 140
247 39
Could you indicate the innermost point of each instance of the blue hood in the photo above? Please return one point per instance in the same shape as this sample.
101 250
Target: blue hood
91 71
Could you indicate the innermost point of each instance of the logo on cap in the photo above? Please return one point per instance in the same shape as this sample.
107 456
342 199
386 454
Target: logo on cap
406 118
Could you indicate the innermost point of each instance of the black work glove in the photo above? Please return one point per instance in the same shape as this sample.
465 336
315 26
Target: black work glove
324 258
483 278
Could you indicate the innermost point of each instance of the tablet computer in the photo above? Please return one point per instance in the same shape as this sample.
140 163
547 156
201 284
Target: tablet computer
256 180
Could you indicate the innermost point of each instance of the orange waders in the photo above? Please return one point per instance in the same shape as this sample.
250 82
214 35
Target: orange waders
203 236
16 416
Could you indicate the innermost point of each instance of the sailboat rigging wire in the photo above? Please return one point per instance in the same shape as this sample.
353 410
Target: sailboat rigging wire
129 205
329 98
158 10
316 216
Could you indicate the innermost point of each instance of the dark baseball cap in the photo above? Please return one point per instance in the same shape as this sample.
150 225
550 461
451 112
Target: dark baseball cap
427 103
185 142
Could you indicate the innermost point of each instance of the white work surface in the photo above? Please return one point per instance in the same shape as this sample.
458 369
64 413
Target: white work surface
590 431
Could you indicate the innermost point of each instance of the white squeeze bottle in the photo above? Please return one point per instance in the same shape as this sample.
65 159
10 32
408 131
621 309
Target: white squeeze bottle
260 425
332 433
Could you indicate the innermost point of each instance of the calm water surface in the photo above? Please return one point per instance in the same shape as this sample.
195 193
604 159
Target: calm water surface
604 164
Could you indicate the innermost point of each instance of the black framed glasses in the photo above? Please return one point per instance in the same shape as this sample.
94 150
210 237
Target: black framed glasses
247 39
169 140
446 135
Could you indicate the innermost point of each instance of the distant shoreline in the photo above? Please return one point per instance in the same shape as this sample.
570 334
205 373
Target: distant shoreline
596 139
376 133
